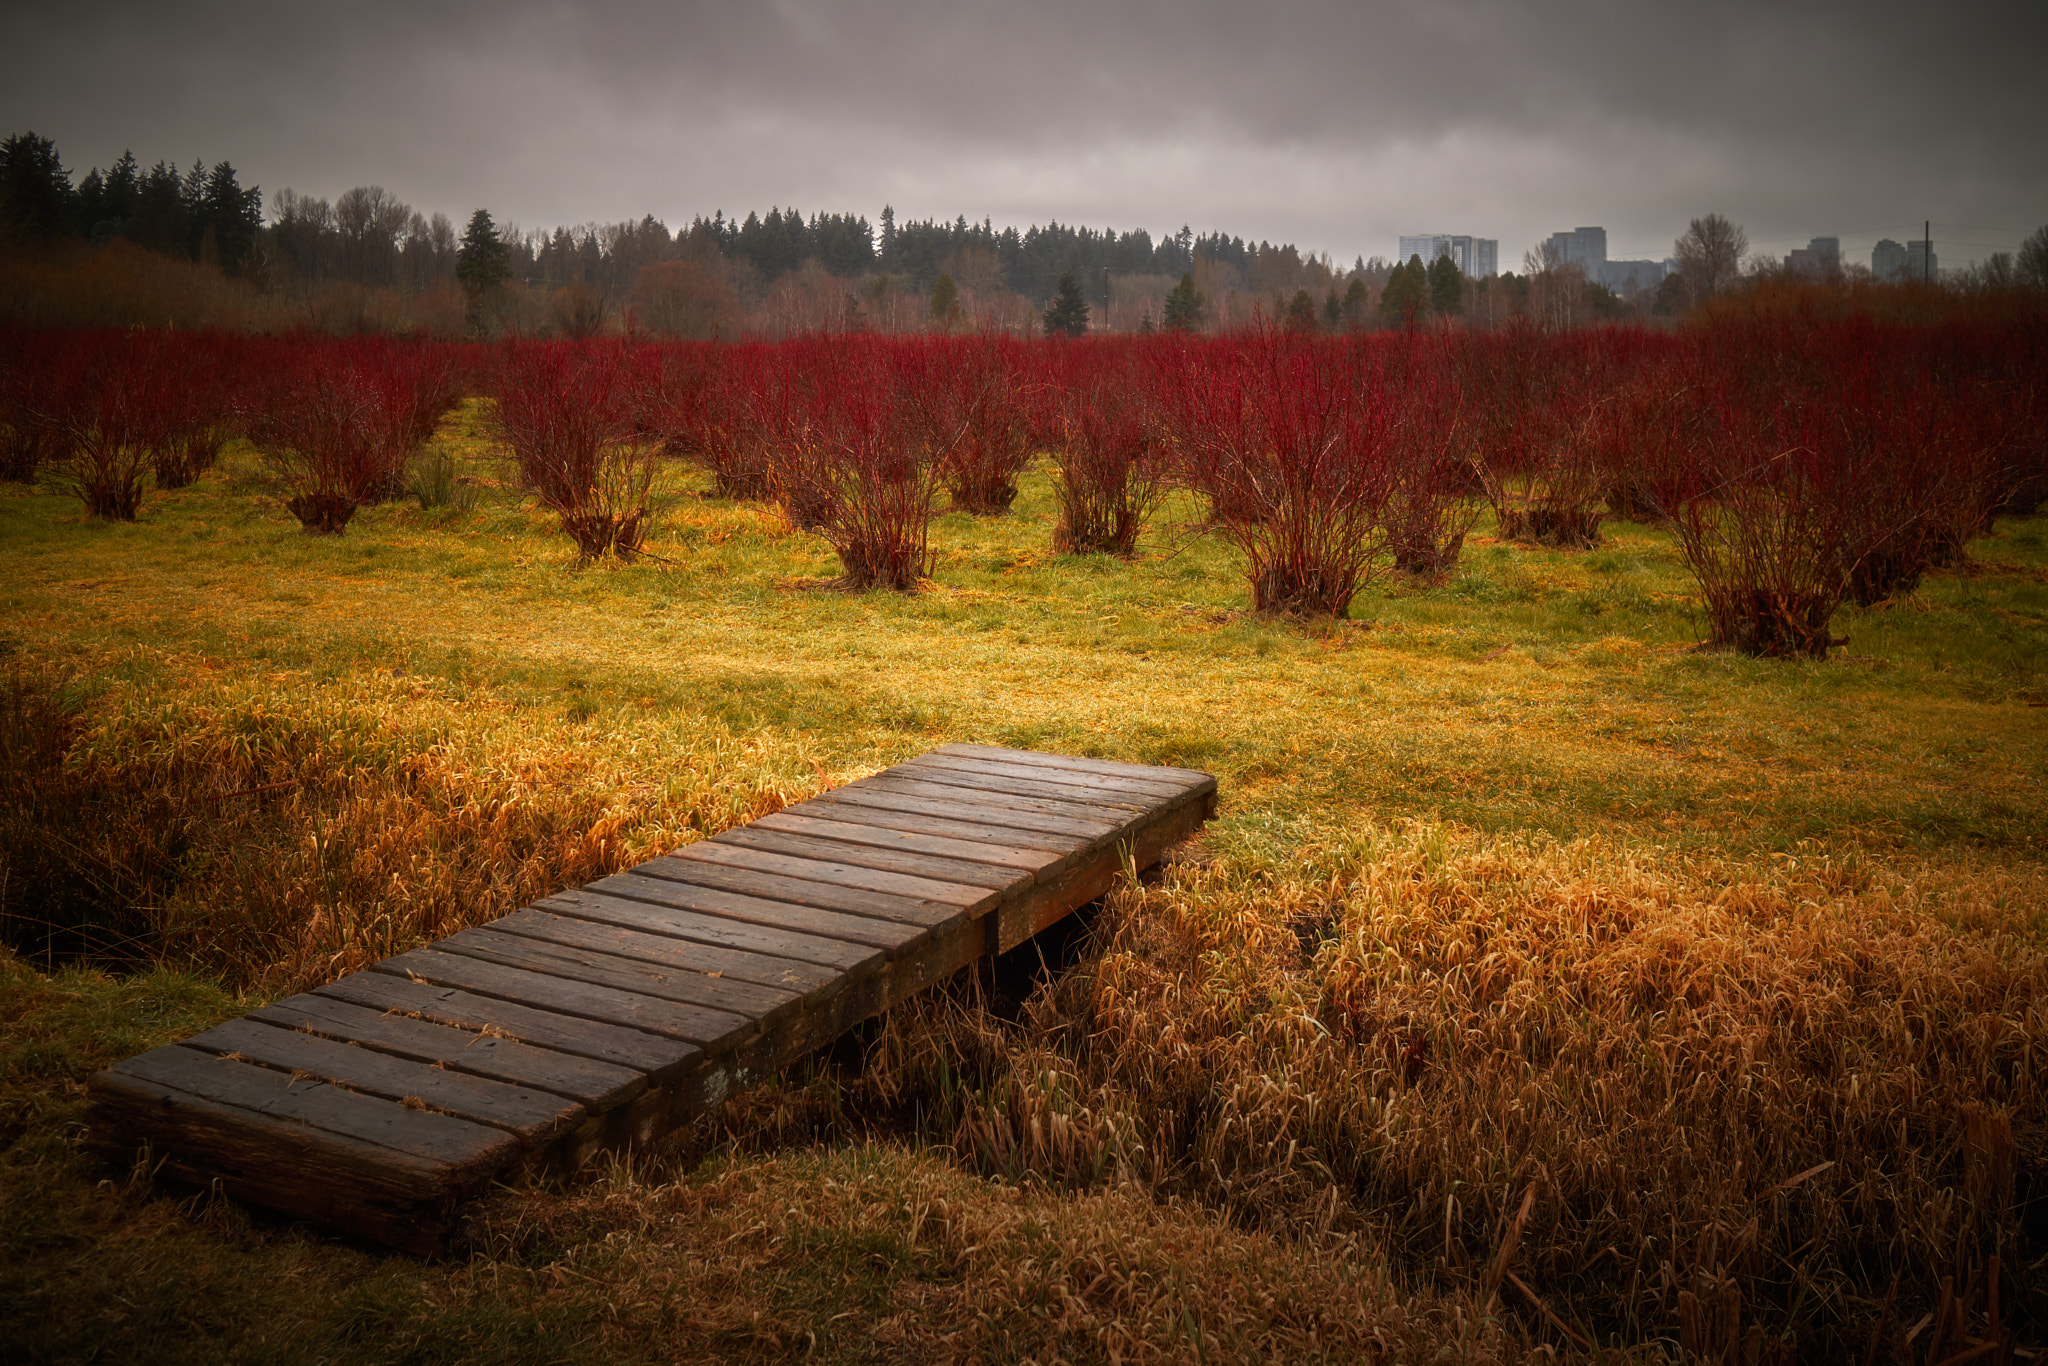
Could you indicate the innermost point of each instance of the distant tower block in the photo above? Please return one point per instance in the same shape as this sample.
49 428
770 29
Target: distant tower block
1477 257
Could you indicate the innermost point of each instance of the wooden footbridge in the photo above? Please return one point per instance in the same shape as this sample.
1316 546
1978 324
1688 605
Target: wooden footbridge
612 1014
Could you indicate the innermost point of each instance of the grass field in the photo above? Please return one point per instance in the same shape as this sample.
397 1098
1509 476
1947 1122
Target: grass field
1513 893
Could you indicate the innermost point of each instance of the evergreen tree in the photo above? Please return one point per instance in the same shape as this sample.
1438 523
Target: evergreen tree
1301 313
1068 314
159 221
232 215
37 203
945 301
1354 303
1446 287
1406 295
1184 306
482 263
1333 313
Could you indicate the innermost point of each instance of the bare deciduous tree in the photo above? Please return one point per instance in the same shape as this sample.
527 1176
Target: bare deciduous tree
370 220
2032 266
1710 255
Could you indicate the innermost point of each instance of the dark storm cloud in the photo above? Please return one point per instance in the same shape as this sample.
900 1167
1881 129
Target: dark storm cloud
1335 126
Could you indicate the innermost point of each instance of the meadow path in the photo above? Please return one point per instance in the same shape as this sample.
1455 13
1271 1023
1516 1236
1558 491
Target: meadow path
615 1012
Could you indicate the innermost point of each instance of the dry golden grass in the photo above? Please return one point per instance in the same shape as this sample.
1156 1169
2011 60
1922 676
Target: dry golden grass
1532 955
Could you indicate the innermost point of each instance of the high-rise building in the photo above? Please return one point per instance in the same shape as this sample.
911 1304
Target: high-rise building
1888 260
1477 257
1821 258
1921 262
1585 248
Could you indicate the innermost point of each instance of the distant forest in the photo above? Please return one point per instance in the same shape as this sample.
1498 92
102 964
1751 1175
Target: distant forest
368 261
129 246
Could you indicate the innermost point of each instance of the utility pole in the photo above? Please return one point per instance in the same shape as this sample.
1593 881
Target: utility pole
1105 298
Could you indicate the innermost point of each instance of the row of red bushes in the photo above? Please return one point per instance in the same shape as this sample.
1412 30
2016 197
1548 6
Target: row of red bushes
1800 460
102 412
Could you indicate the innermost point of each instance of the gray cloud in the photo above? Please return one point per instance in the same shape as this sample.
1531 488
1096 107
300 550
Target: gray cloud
1336 126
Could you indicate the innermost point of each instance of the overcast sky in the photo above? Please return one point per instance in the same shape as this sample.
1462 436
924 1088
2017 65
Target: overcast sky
1333 126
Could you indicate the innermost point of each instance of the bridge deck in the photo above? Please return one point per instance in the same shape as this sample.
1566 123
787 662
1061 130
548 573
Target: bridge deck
615 1012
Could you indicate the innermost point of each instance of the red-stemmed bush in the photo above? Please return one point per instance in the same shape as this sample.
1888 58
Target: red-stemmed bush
39 379
115 395
1091 407
1824 463
1532 393
703 401
336 419
1292 441
966 400
569 412
1430 509
849 461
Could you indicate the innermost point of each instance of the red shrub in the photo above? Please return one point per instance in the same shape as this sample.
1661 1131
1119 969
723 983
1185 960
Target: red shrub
37 378
1429 510
966 403
1090 403
699 400
569 412
336 419
1827 459
849 461
1292 440
1533 393
117 395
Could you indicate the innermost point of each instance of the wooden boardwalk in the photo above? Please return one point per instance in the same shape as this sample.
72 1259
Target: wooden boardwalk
613 1013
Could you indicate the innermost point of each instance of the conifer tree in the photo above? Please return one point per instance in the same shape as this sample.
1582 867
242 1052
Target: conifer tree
482 263
37 203
945 306
1446 286
1354 303
1184 306
1301 313
1068 314
1406 295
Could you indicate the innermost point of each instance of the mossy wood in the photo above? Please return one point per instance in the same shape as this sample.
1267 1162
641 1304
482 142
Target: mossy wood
613 1013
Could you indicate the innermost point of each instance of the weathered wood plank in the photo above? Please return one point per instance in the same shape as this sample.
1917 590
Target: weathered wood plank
1144 790
1008 861
1116 804
797 891
341 1182
534 1116
881 859
1188 777
745 1000
462 1149
1084 882
896 798
965 897
607 1005
593 1084
969 803
651 1055
735 919
788 974
1026 842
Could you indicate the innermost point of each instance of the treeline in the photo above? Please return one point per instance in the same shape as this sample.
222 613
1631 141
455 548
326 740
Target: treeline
194 247
367 261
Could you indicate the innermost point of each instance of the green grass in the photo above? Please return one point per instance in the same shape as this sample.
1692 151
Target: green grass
1534 690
